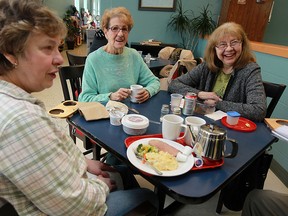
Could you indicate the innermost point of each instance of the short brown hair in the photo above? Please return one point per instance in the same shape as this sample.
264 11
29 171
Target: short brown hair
18 18
120 12
233 29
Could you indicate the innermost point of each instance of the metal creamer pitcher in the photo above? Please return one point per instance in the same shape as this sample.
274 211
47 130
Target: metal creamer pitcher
212 140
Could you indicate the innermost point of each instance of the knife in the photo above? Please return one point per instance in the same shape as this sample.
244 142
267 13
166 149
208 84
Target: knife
133 110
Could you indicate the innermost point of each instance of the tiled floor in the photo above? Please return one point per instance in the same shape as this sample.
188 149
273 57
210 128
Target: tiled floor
53 96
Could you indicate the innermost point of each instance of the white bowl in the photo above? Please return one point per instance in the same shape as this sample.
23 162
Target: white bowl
134 124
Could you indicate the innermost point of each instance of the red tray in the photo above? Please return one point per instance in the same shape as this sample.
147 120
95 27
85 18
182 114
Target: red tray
207 165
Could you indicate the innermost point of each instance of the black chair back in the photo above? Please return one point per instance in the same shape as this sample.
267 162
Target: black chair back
75 59
73 75
99 40
273 91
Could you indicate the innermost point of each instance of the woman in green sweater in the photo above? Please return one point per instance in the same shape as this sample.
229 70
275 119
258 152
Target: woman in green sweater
110 70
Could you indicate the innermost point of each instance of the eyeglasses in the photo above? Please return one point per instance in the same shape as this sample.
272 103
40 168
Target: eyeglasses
117 29
233 44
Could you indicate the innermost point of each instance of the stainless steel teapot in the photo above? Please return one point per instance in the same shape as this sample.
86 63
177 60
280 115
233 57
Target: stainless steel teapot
212 140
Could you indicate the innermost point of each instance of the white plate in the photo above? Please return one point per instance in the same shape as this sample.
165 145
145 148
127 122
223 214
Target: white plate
182 168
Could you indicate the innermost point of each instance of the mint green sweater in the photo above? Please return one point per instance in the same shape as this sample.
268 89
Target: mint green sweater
105 73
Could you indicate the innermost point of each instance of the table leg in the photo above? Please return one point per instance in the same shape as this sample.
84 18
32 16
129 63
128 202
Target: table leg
169 209
161 197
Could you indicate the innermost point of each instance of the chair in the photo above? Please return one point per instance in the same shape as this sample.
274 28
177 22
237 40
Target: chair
170 72
75 60
98 41
274 92
175 53
73 75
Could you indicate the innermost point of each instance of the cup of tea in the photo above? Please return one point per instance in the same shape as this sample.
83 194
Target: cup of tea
134 91
193 123
171 127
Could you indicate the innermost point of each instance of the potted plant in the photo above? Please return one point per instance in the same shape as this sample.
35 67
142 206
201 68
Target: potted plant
201 26
72 29
190 29
180 22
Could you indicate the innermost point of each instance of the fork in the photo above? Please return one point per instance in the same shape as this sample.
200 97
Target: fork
148 163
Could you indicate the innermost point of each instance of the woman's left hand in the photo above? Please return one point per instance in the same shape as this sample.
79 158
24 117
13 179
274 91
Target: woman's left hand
142 95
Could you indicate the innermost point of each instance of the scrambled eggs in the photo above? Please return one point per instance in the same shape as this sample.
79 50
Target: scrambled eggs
162 160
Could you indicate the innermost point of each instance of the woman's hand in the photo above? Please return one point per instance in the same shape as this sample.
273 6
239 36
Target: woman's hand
210 98
110 183
98 168
142 95
120 95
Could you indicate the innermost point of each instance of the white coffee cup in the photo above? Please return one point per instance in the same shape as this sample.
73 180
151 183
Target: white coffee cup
171 127
134 91
194 123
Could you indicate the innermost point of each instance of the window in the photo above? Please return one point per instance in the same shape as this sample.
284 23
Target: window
93 6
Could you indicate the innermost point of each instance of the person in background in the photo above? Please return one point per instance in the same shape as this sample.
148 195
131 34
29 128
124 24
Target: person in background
229 79
265 203
42 172
111 69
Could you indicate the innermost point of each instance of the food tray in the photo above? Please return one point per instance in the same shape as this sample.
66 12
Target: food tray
211 165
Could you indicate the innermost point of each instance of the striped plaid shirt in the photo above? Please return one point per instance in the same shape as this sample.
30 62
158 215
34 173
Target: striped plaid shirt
42 172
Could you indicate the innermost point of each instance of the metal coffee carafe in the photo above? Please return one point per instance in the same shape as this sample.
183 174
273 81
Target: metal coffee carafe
212 140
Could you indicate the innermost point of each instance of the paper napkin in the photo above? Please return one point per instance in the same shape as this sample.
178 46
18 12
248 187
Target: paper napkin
93 110
216 115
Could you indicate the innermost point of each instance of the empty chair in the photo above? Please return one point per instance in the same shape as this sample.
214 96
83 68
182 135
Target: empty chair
71 82
75 60
73 75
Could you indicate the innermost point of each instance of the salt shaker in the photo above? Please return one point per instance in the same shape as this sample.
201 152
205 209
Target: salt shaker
164 111
177 111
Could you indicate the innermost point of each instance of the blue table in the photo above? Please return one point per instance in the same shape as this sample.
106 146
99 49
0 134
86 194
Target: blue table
192 187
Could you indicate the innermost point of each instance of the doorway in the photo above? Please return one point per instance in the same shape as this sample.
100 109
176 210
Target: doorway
253 15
